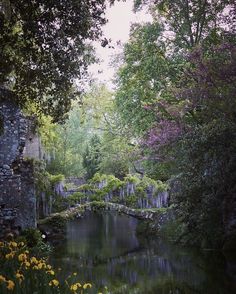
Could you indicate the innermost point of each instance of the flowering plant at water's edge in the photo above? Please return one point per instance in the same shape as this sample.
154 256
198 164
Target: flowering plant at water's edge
22 273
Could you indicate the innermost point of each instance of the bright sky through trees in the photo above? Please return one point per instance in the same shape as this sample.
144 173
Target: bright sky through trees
120 17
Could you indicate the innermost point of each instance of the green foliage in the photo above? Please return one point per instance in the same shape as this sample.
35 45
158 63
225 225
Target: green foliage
32 237
75 198
55 221
54 179
41 59
132 179
141 76
92 156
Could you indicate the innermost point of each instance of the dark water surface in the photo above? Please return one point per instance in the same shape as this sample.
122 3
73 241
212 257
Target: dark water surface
104 250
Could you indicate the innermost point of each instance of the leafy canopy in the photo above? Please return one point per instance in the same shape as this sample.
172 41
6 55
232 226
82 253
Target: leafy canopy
45 48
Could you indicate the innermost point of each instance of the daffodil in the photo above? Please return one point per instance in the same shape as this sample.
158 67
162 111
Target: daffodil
22 257
13 244
10 255
73 287
54 283
27 264
20 277
87 285
10 285
34 260
2 279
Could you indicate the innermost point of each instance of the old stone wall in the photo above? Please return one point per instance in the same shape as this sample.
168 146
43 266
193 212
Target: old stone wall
17 190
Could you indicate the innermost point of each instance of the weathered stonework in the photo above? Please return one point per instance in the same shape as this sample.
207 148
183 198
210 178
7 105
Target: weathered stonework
17 191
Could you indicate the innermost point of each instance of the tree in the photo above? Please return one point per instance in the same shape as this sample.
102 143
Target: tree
191 134
188 22
92 157
141 77
45 48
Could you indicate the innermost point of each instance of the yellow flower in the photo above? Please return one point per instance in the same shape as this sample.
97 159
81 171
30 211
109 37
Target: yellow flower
27 264
34 260
22 257
85 286
10 255
21 244
51 272
10 285
74 274
54 283
40 265
20 277
2 279
13 244
26 251
49 266
73 287
100 293
35 267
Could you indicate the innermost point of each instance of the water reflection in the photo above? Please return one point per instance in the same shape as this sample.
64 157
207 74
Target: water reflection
104 249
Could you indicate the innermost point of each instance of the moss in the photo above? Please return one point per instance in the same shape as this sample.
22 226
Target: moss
131 201
55 179
86 188
56 221
75 198
131 179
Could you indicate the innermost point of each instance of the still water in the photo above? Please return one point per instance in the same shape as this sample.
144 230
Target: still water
104 250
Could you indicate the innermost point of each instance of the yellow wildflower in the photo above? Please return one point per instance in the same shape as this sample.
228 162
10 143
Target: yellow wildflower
10 285
21 244
34 260
22 257
10 255
49 266
40 265
74 274
87 285
13 244
35 267
2 279
73 287
20 277
51 272
54 283
27 264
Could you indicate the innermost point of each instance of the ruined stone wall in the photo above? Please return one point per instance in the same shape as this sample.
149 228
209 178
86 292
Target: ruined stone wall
17 191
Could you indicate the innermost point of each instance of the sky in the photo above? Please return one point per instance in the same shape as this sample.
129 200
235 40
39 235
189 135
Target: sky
120 17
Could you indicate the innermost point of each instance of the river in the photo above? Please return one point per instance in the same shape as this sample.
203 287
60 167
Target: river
105 251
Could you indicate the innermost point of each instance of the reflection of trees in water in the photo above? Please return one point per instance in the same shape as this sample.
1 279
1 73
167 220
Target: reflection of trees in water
156 267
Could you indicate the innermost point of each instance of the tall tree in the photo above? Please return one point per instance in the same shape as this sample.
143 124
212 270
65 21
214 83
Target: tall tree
44 47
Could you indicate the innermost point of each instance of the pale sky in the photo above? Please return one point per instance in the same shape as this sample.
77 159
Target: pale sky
120 17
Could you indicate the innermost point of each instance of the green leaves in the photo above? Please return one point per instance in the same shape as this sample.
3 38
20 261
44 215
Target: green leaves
44 48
